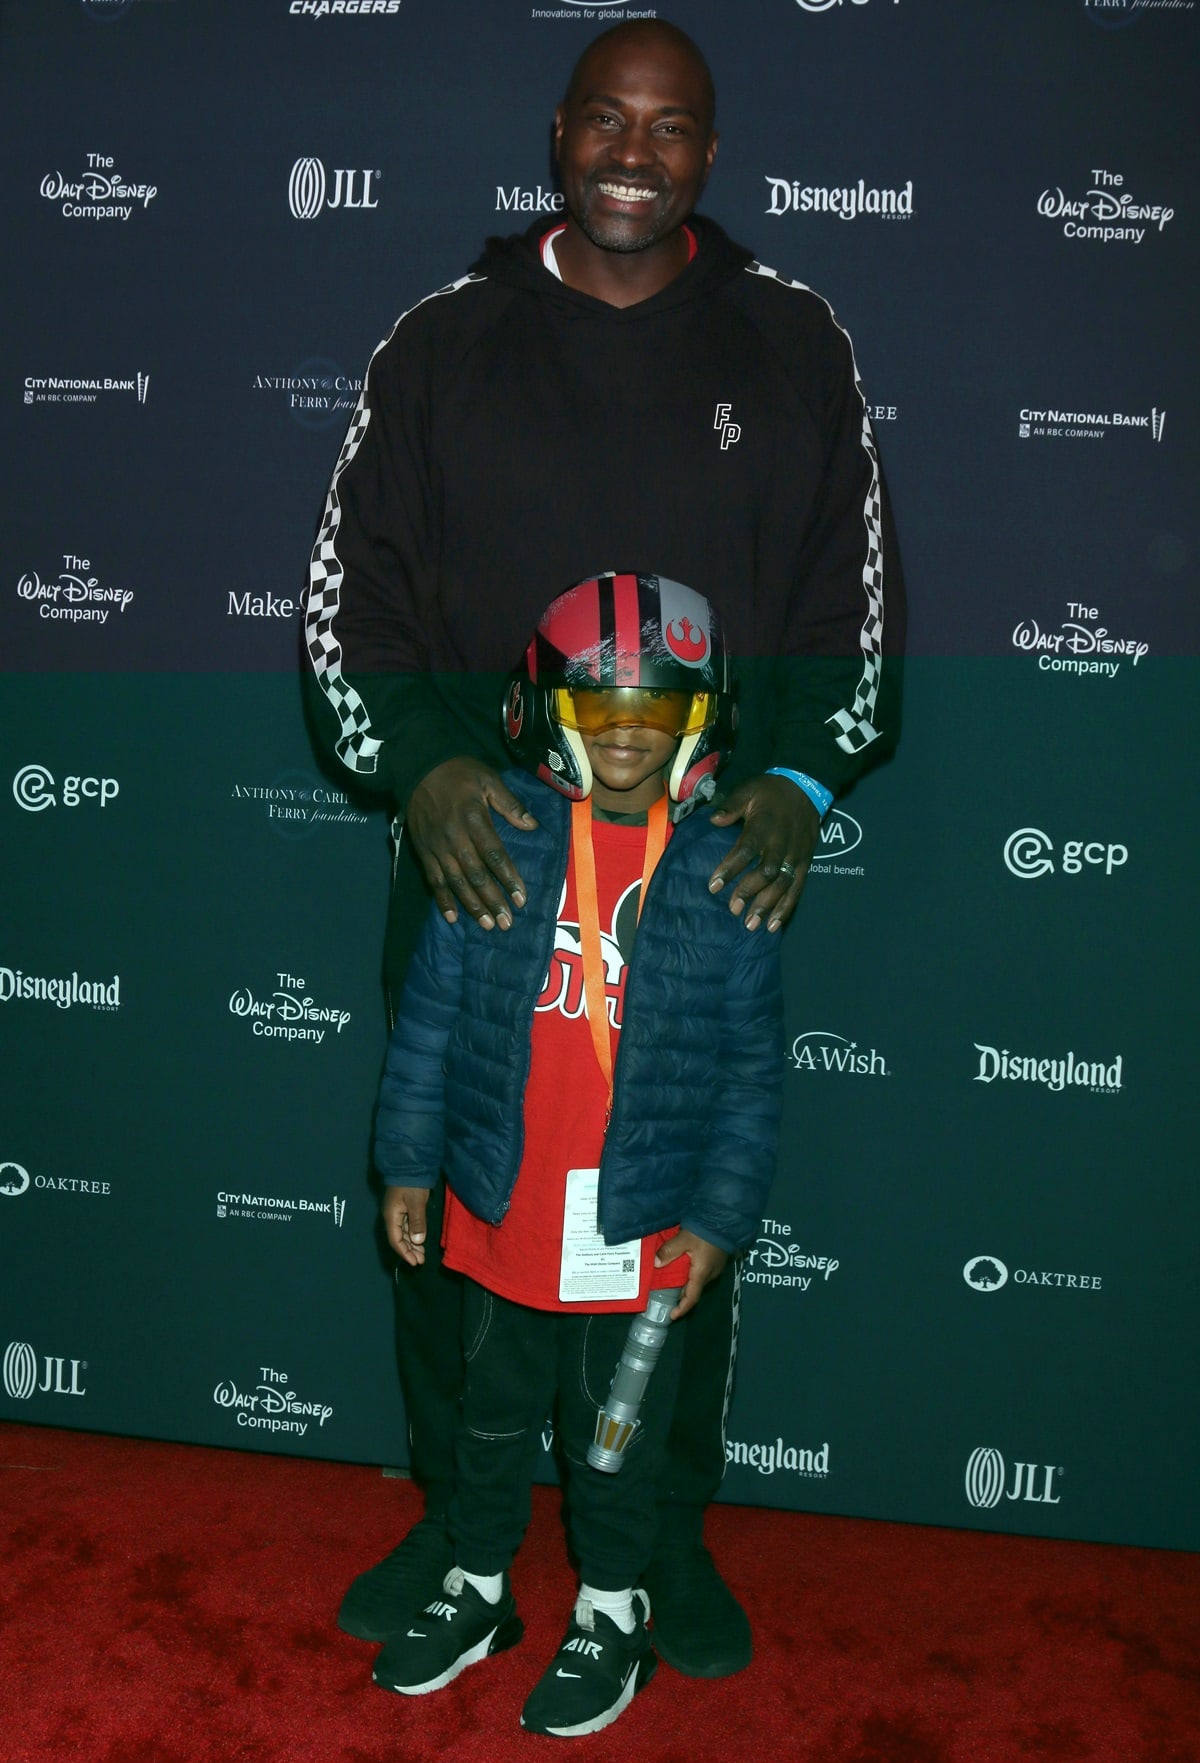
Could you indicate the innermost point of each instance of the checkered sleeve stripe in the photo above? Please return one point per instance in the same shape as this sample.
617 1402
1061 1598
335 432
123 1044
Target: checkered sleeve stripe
854 725
356 746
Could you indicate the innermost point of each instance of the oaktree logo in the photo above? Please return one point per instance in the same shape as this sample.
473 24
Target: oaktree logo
13 1179
985 1273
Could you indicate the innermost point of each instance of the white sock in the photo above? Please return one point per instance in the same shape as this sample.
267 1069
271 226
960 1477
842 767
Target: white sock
617 1606
488 1585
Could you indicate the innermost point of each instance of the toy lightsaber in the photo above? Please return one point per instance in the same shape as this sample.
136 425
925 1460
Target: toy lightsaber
617 1421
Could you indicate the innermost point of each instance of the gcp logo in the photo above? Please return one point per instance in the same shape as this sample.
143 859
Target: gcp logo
985 1477
34 786
1027 854
985 1273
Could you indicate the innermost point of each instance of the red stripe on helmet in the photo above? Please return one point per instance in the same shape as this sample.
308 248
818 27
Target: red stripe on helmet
627 631
572 623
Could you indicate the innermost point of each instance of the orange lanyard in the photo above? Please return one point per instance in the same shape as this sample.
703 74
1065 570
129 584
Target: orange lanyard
589 920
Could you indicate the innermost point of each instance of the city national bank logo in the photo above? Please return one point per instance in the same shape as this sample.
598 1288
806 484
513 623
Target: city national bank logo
1027 854
99 993
775 1261
15 1181
34 789
296 805
287 1015
1107 213
1077 644
840 834
309 192
769 1457
271 1407
987 1273
101 193
24 1376
847 201
1031 1483
316 395
62 389
1057 1074
1086 425
266 1209
819 1049
73 596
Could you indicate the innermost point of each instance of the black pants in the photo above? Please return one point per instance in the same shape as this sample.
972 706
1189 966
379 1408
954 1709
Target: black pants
520 1365
429 1329
432 1317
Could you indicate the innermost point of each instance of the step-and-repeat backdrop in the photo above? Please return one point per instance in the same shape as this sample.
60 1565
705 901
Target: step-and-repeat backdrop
974 1300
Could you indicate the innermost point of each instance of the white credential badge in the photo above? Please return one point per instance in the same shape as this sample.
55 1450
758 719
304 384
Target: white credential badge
592 1270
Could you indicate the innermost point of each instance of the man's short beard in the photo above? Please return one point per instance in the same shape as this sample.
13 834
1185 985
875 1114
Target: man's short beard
611 236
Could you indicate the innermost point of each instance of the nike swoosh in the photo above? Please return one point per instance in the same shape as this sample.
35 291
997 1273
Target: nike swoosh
561 1673
415 1634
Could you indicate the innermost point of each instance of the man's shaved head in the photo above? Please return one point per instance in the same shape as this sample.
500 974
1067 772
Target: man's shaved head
644 32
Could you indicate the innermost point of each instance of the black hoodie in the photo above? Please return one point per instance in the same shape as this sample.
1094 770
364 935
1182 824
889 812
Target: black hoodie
515 436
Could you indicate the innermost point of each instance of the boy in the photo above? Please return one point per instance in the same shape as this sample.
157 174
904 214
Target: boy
502 1070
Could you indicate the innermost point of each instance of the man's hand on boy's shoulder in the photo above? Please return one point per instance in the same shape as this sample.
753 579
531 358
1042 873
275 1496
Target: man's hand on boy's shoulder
705 1262
779 834
455 838
403 1211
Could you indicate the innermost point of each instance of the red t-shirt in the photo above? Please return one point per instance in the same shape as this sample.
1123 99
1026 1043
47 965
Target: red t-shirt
565 1102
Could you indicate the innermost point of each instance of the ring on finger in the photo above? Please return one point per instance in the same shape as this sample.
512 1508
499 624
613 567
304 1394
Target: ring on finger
788 869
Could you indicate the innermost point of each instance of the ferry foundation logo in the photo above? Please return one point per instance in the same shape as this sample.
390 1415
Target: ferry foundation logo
1028 853
1057 1074
34 789
271 1406
74 596
1080 646
774 1454
99 193
309 192
288 1014
316 395
847 201
25 1375
297 805
1031 1483
776 1261
1107 214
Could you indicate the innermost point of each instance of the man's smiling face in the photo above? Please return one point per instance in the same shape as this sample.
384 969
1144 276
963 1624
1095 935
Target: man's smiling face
634 141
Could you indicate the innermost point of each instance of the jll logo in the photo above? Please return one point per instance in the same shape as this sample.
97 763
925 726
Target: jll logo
986 1476
21 1373
308 189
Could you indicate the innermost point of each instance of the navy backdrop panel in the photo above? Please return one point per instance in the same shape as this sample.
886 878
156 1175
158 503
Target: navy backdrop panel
973 1301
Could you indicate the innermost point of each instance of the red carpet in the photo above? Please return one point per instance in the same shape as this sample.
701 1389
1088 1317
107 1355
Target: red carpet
174 1604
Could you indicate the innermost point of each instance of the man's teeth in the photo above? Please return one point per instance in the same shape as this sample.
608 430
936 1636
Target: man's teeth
624 193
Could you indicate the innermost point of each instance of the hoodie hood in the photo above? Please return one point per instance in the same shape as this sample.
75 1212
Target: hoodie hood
516 261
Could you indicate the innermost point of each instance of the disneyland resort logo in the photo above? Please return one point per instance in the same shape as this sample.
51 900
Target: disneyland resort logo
74 595
100 192
1080 645
289 1013
1107 213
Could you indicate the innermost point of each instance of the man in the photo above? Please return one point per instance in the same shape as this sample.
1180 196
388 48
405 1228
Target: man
627 390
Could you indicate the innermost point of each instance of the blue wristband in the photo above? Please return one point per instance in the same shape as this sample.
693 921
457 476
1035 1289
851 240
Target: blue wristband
818 795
